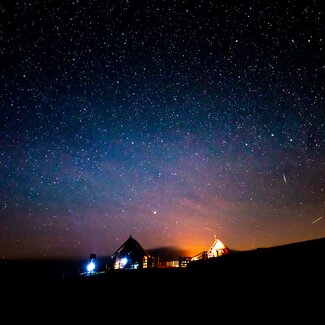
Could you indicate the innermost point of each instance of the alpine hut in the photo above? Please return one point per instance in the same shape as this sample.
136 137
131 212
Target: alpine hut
131 255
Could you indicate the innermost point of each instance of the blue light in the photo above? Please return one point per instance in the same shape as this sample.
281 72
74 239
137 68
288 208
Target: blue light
91 266
124 260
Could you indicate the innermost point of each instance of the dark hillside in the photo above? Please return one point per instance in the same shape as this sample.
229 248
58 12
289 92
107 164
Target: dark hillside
288 273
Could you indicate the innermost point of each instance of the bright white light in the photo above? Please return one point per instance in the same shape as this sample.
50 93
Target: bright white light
124 260
91 266
219 245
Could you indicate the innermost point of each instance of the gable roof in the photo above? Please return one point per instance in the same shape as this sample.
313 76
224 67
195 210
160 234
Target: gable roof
133 246
130 255
216 249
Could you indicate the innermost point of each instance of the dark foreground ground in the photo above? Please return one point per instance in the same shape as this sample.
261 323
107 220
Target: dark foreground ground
281 279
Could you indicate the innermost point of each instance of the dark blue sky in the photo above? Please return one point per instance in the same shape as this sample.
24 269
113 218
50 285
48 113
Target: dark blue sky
173 121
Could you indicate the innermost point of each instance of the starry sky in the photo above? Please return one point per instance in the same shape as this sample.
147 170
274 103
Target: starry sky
173 121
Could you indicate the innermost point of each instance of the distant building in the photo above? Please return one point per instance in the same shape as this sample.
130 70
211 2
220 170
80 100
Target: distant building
216 249
131 255
168 264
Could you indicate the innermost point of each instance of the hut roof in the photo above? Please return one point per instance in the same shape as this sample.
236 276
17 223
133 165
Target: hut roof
131 245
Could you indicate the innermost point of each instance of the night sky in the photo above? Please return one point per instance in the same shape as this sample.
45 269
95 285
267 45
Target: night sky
173 121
